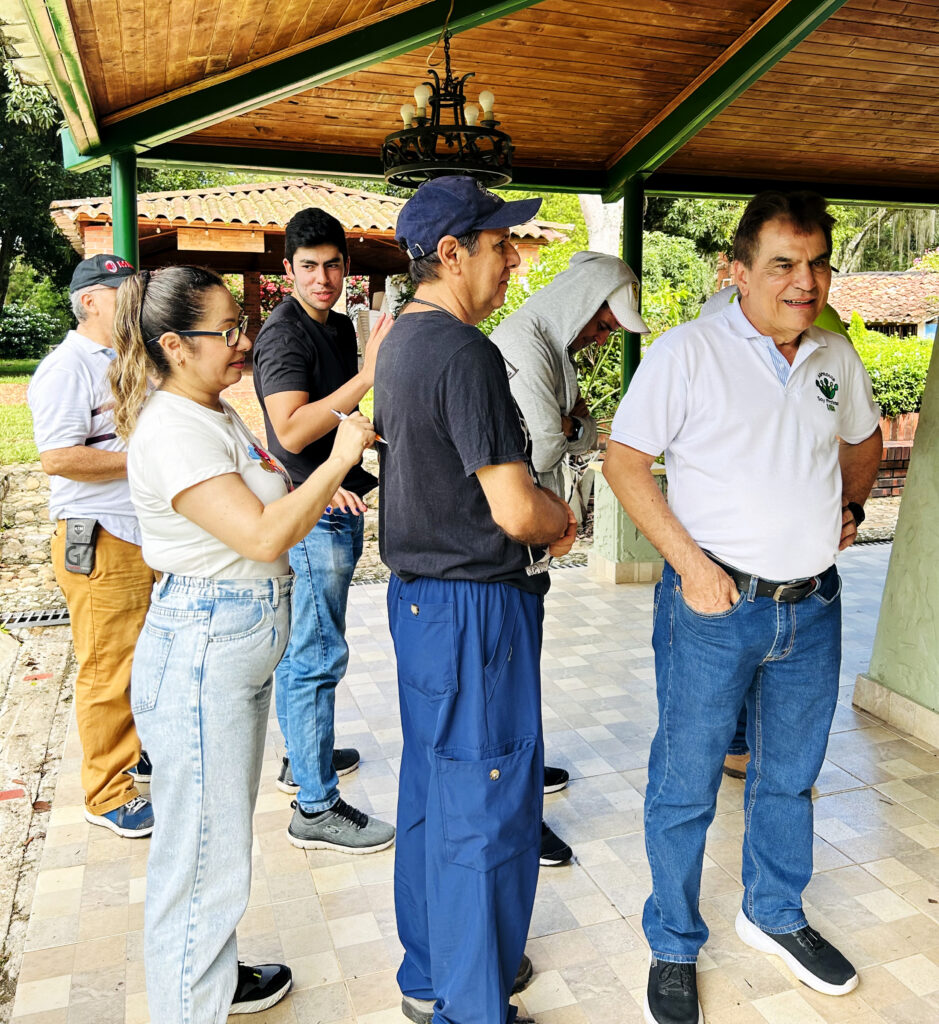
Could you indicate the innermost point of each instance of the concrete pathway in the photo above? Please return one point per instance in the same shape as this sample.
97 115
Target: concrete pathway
875 891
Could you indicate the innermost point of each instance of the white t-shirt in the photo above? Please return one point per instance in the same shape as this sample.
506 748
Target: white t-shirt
176 444
71 402
752 463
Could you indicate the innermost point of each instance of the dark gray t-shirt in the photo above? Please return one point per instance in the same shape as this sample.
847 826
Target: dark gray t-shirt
443 404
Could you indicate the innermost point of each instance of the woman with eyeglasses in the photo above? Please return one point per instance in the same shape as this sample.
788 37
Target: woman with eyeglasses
217 516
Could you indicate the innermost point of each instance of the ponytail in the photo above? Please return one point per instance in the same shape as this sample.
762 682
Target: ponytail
148 306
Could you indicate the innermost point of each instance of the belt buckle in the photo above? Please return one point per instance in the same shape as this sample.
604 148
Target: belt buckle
778 593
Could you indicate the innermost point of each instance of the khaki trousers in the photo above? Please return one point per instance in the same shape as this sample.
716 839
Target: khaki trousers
107 610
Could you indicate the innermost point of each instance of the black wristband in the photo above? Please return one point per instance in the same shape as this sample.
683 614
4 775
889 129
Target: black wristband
857 511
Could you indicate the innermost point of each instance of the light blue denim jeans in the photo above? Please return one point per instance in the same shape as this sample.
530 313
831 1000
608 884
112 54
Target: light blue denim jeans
782 661
317 654
200 693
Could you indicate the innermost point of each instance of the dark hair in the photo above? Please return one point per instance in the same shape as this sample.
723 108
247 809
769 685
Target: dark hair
312 227
427 268
148 306
806 211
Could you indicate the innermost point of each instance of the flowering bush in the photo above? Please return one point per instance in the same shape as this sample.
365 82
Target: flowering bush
27 333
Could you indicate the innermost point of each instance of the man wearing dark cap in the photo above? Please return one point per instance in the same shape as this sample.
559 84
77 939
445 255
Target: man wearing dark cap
468 535
96 545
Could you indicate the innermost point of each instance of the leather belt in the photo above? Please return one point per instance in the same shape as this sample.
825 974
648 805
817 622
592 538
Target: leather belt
786 591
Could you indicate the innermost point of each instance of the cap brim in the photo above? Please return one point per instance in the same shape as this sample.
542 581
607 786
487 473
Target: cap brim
628 318
519 211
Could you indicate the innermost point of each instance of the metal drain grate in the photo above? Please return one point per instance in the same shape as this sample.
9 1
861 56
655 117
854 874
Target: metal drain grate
39 617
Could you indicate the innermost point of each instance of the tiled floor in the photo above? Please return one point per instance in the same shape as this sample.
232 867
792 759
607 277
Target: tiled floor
875 891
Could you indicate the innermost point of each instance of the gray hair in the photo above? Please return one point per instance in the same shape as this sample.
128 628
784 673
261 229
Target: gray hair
427 268
75 300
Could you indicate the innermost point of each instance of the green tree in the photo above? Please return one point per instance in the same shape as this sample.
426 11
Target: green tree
31 176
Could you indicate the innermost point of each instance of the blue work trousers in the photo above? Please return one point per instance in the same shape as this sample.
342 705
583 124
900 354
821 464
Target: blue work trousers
470 790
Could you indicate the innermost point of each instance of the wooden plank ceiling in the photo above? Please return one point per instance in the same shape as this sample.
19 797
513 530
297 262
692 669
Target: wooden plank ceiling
575 83
134 52
572 82
855 102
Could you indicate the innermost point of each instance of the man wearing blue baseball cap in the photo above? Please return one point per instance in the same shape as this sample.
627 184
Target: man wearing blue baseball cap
468 535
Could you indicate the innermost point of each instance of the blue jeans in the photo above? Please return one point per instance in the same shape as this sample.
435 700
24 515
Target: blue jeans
470 790
782 661
200 693
317 654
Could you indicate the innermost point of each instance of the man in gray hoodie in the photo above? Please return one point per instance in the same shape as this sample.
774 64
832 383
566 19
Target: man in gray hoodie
583 305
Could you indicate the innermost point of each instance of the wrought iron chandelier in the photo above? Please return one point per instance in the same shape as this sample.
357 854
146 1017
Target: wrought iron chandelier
428 147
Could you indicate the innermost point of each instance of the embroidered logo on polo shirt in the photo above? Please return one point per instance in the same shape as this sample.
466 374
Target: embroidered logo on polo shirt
829 388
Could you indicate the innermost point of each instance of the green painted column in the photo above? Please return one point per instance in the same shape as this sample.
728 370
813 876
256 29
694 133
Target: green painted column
124 206
633 210
902 683
620 553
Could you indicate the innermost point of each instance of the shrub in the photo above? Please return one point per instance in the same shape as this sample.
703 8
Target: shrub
26 333
897 367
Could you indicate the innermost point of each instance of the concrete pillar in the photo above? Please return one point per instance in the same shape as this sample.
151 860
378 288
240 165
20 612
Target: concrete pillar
902 684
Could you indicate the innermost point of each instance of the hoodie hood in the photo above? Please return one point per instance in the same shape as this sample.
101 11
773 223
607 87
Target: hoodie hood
562 308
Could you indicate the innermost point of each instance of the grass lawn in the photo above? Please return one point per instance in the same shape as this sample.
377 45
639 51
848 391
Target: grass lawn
16 424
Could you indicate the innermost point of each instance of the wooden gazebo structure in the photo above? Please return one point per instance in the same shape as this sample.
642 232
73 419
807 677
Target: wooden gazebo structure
620 97
239 229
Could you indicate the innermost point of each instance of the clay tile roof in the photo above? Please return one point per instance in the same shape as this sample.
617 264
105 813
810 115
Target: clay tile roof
883 297
268 204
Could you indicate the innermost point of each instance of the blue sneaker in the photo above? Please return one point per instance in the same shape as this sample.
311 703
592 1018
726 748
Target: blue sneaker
142 770
132 820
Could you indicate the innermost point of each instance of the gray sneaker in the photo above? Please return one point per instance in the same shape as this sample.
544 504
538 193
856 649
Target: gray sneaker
421 1011
341 828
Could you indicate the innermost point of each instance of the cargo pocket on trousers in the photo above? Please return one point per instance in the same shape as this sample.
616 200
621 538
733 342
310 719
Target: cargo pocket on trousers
150 657
490 806
424 648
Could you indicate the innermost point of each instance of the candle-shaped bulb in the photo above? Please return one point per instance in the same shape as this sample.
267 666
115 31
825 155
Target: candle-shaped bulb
407 114
487 101
421 96
471 112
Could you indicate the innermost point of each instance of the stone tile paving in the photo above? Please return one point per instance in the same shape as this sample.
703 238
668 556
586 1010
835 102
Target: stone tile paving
875 891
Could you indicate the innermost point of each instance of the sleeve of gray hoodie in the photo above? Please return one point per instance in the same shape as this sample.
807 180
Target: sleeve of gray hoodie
536 387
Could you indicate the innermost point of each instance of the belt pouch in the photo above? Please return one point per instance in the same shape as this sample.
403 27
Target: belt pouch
80 536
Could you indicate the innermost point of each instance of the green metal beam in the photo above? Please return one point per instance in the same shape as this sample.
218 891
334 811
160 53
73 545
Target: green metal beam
173 118
326 165
633 211
697 186
124 207
772 41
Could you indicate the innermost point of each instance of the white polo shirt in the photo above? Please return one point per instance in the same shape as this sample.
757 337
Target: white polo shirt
751 461
71 402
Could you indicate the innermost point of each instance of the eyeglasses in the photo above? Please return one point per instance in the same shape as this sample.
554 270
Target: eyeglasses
230 335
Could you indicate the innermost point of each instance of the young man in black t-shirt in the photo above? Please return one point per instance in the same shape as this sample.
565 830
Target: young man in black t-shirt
467 534
306 366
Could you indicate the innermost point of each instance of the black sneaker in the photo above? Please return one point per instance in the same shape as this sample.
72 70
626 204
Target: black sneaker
421 1011
260 987
672 994
554 851
555 779
143 769
813 960
345 760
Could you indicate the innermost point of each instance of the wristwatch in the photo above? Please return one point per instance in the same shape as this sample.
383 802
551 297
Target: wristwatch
577 430
857 511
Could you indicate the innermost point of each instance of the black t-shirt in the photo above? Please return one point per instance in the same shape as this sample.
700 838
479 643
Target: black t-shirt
294 352
443 404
